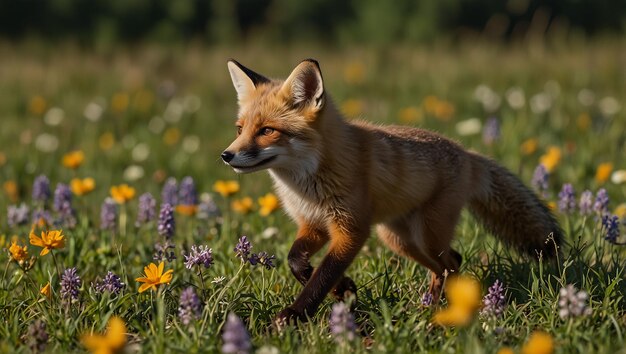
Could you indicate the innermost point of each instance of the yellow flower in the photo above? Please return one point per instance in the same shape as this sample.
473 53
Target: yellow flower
603 172
112 342
11 190
441 109
171 136
620 211
551 159
122 193
268 204
410 115
82 186
529 146
119 102
464 299
37 105
583 121
189 210
154 276
352 108
539 343
73 159
243 205
18 253
49 240
226 188
106 141
46 290
505 350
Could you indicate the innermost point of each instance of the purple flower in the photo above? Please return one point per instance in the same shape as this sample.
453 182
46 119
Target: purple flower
567 199
264 259
427 299
494 301
341 323
573 303
187 194
201 255
601 205
491 132
111 283
169 192
41 215
540 179
17 215
63 205
167 224
70 285
146 211
207 207
242 250
189 306
236 338
586 203
41 189
36 337
108 214
610 225
164 251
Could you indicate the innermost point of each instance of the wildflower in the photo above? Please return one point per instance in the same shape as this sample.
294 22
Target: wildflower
491 131
409 115
63 205
463 295
226 188
242 250
119 102
73 159
341 323
201 255
618 176
167 224
538 343
169 192
603 172
83 186
493 302
470 126
540 179
189 306
49 240
207 207
236 338
187 192
122 193
108 215
112 342
505 350
41 217
37 105
243 205
70 285
146 211
268 204
41 189
171 136
352 108
610 224
46 291
620 212
11 190
154 276
427 299
164 251
264 259
106 141
572 303
18 253
551 159
529 146
601 204
586 202
17 215
36 338
111 283
567 199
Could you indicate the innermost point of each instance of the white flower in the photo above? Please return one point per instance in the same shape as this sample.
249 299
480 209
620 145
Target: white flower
218 280
586 97
515 97
618 176
54 116
609 106
140 152
489 98
93 111
133 173
156 125
540 103
191 144
469 126
46 142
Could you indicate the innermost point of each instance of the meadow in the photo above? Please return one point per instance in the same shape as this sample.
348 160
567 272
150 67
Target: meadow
157 118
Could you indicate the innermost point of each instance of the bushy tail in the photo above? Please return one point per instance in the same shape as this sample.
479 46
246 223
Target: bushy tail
511 211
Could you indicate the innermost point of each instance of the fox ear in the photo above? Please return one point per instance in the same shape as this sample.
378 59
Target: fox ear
244 79
305 85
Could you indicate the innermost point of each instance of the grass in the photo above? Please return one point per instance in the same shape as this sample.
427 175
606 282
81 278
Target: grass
569 102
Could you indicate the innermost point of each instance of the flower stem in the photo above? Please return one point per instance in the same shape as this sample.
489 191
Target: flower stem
56 265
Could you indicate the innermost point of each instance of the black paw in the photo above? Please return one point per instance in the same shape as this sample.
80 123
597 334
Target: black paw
288 317
345 289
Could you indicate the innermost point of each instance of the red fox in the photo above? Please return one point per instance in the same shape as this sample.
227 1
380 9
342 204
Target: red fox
336 178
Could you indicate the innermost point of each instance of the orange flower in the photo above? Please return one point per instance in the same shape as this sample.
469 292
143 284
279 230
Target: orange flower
73 159
154 276
82 186
243 205
10 188
226 188
189 210
505 350
112 342
122 193
268 204
352 108
37 105
529 146
46 290
119 102
410 115
18 253
603 172
551 159
49 240
464 299
539 343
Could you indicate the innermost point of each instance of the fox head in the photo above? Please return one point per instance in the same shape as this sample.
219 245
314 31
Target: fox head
276 123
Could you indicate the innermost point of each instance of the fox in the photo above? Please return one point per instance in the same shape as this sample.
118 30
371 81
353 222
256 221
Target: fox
336 178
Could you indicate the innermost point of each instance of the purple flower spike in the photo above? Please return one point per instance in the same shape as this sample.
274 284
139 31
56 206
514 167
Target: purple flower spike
169 192
70 285
108 215
167 225
41 189
201 255
147 209
494 301
342 324
189 308
586 203
236 338
567 199
187 194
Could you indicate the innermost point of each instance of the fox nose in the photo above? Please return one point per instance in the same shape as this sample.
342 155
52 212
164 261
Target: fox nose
227 156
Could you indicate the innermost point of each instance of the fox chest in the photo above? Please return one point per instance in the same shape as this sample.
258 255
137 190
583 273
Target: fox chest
300 204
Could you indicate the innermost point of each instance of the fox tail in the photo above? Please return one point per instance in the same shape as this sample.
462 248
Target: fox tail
511 211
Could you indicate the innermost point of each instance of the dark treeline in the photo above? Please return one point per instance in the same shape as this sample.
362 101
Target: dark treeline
372 21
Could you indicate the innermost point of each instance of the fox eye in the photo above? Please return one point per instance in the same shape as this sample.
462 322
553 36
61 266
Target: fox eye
239 130
267 131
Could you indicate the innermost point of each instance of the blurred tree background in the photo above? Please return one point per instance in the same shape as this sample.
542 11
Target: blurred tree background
104 22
